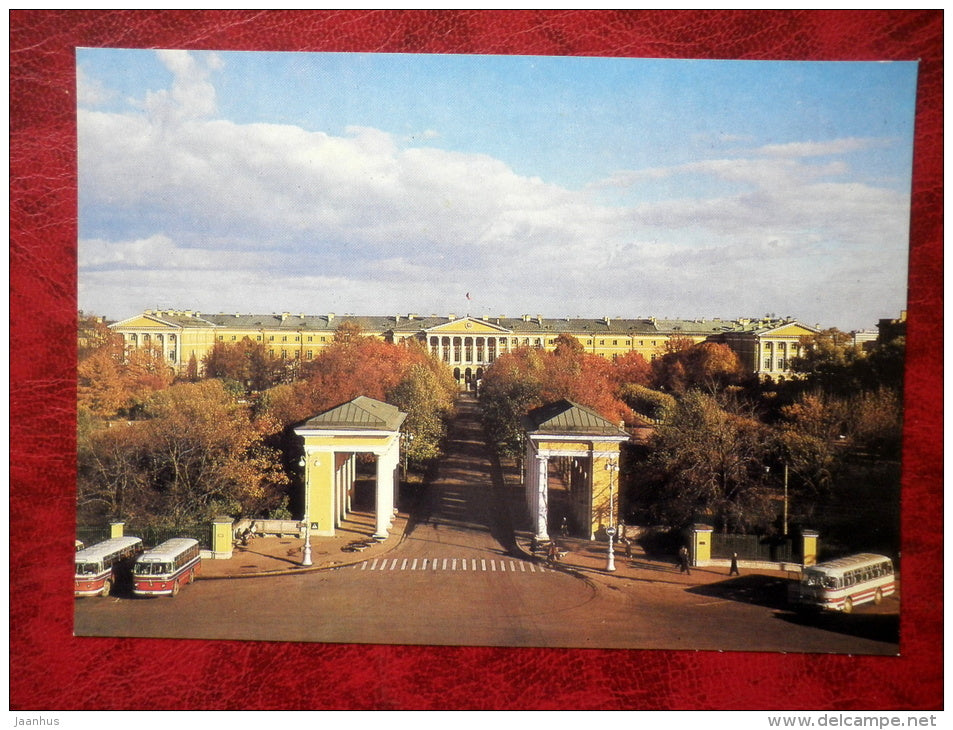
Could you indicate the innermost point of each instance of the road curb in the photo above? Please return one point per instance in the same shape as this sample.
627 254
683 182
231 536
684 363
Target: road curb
299 570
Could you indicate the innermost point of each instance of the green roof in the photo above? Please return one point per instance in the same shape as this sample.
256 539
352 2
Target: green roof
567 418
362 413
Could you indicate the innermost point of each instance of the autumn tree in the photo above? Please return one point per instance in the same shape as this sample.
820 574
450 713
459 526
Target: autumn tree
829 360
102 388
426 395
403 374
111 477
146 372
111 379
707 464
246 362
205 456
527 378
92 333
632 369
710 366
807 437
193 455
653 404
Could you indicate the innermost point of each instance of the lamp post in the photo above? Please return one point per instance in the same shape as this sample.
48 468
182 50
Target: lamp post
409 439
611 467
306 557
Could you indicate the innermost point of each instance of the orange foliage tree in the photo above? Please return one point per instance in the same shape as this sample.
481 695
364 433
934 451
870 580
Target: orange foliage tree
112 381
527 378
708 366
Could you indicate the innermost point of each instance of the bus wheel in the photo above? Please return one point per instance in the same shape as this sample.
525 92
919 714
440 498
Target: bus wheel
175 589
107 588
848 604
878 597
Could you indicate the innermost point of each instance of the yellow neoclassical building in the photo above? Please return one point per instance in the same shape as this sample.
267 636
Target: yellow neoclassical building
467 344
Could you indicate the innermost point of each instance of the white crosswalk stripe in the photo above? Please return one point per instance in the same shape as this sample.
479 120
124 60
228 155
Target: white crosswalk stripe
470 565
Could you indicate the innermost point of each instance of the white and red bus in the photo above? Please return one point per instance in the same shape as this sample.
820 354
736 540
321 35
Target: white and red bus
100 567
841 584
164 569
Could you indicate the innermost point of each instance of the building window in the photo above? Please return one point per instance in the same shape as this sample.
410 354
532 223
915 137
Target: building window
615 343
271 338
309 338
284 338
310 354
233 338
767 363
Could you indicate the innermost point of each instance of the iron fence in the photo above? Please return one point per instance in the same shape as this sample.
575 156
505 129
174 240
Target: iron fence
752 547
151 536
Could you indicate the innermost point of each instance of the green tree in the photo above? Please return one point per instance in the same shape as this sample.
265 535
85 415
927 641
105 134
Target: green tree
829 360
428 400
708 465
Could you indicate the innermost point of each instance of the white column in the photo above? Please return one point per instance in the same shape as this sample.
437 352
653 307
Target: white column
542 497
338 492
386 471
349 483
529 478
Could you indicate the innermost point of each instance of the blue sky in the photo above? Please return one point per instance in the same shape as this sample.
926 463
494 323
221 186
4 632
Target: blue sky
384 184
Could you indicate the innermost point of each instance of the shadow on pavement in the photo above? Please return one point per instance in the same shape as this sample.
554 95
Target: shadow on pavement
759 590
874 626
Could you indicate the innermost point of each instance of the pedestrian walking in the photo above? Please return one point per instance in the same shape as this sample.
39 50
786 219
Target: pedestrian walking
552 557
564 528
683 560
734 565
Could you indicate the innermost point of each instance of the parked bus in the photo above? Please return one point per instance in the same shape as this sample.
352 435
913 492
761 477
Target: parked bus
163 570
841 584
100 567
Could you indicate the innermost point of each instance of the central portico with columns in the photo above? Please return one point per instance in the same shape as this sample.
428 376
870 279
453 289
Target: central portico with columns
588 446
332 441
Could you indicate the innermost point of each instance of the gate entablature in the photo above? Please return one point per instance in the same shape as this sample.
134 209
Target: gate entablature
567 429
331 440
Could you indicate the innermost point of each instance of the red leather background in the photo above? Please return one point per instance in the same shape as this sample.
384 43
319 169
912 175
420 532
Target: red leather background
51 670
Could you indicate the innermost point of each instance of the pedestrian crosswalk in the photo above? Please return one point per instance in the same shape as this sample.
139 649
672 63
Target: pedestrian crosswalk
470 565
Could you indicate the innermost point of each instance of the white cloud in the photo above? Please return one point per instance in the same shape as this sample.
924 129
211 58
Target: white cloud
282 218
819 149
90 92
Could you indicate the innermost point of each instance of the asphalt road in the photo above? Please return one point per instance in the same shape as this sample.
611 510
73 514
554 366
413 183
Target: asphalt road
457 578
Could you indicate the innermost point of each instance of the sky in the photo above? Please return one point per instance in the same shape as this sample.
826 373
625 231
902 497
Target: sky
383 184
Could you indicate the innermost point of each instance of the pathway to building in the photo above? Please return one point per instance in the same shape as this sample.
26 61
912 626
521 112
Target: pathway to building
465 498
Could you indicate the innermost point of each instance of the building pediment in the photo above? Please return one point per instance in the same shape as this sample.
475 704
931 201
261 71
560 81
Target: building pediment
145 321
791 329
468 326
